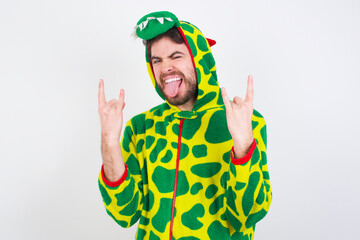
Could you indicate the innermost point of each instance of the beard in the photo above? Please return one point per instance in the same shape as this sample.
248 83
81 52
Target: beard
191 89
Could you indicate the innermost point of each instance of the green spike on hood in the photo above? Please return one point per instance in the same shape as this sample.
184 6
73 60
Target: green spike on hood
209 95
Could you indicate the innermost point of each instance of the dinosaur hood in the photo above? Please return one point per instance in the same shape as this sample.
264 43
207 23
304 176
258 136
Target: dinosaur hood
154 24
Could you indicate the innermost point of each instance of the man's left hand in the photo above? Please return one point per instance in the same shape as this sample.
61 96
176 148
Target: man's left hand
239 119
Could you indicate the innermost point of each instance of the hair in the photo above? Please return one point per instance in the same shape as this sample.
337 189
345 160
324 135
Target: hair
172 33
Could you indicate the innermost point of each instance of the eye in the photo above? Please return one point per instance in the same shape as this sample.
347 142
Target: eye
177 56
155 61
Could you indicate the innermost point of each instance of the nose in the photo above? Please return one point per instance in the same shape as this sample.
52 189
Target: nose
167 66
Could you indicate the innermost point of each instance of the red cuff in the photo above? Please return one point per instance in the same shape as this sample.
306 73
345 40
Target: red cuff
118 182
244 159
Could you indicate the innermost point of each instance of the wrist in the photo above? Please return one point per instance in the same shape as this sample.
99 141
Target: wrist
113 173
244 159
110 137
241 148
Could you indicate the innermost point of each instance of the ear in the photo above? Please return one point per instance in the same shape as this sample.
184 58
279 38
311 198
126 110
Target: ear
211 42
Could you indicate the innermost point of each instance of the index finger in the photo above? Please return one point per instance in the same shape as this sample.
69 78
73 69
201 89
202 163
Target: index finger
250 90
101 95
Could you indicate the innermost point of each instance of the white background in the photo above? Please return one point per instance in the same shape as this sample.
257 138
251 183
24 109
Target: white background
305 59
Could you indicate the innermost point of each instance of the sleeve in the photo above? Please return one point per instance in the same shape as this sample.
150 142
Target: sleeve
248 192
123 199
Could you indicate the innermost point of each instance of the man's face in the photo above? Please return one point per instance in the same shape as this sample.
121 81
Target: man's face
174 73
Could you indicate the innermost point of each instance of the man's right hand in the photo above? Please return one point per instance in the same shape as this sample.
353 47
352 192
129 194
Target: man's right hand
111 120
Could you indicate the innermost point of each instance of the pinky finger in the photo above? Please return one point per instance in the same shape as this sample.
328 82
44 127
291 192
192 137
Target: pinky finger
122 98
225 99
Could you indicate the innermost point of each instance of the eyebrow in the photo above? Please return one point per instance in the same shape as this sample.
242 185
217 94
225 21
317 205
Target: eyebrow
176 52
170 56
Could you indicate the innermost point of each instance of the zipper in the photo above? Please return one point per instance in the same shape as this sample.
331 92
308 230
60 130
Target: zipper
176 176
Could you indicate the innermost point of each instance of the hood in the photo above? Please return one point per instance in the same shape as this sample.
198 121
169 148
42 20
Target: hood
154 24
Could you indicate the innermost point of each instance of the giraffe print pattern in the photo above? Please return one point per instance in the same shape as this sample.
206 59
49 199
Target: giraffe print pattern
215 198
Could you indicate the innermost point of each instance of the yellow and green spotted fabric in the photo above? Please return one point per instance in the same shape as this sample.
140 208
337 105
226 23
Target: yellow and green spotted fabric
215 198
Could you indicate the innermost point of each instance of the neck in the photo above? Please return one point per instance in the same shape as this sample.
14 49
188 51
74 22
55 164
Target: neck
188 106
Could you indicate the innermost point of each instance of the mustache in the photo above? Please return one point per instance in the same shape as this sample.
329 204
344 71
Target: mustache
163 75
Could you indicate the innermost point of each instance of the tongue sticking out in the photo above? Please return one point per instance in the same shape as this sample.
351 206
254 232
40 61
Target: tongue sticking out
172 88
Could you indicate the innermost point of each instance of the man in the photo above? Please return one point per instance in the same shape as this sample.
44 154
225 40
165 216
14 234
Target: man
195 166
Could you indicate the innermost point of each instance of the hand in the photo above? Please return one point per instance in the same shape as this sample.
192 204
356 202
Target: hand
111 116
239 119
111 119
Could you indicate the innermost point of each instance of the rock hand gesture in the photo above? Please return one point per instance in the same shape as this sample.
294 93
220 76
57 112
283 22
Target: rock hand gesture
111 120
239 119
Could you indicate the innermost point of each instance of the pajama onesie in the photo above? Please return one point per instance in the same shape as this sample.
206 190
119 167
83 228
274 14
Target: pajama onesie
181 179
